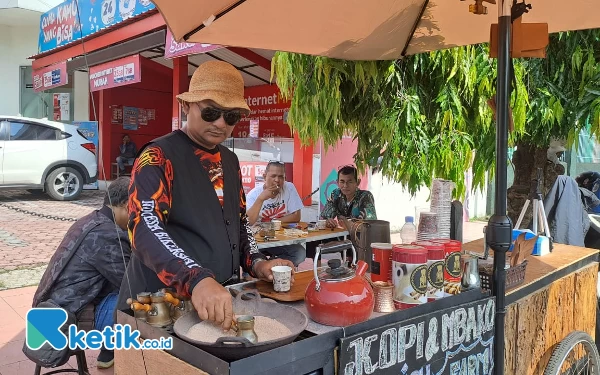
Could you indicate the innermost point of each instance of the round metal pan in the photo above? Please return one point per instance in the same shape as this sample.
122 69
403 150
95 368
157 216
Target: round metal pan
234 348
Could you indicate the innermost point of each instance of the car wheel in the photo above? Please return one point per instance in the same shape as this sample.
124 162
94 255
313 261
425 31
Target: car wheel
64 184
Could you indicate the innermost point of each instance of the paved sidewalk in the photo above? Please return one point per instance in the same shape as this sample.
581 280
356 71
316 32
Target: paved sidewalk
31 227
14 304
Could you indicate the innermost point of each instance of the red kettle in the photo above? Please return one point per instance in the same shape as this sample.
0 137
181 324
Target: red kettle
339 296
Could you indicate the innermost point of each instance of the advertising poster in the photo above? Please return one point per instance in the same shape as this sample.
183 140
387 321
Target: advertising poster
253 131
50 77
130 118
142 117
62 106
89 129
115 73
117 115
252 174
75 19
268 109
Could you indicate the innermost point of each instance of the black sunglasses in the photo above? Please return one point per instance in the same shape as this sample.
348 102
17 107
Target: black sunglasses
212 114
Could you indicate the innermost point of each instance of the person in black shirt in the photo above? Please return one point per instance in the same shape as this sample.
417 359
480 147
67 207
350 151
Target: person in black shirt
127 151
88 267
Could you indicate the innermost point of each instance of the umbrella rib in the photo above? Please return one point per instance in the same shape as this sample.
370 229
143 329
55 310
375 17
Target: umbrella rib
414 28
202 26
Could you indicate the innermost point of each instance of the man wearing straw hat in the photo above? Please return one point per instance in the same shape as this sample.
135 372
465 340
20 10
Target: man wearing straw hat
187 208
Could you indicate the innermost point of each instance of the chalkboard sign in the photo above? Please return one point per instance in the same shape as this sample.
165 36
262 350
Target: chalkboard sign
455 341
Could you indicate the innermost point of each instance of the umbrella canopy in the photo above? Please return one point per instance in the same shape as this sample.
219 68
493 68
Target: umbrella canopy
355 29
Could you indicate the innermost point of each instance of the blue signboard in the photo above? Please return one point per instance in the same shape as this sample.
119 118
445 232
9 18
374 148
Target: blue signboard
76 19
89 129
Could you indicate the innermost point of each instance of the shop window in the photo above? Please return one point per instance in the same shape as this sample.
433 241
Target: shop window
19 131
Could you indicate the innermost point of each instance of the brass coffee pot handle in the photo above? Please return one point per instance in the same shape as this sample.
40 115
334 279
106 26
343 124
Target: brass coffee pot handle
172 300
136 306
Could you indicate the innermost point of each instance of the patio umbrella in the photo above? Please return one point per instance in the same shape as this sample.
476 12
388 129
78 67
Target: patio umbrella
386 30
355 29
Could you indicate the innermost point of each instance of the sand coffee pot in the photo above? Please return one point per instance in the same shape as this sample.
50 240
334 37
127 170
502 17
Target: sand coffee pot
158 313
179 305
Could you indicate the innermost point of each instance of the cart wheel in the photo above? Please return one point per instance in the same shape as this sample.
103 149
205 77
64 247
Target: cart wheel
576 354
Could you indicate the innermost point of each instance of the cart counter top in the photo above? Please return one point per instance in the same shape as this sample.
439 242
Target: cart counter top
544 270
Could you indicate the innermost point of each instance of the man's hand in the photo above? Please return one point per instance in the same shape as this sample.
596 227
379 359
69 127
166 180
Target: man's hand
331 223
263 269
213 302
268 193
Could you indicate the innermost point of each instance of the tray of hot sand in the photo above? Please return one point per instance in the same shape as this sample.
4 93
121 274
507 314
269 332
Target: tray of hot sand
275 325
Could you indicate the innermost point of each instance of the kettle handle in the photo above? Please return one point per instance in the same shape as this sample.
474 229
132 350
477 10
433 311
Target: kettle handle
331 247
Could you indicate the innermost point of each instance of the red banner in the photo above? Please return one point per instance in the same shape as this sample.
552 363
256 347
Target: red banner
115 73
252 174
50 77
269 109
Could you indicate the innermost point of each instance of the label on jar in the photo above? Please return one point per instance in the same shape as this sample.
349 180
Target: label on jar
452 274
435 279
375 267
410 284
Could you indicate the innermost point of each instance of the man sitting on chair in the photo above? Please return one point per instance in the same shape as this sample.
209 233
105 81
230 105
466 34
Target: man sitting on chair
277 199
127 152
87 269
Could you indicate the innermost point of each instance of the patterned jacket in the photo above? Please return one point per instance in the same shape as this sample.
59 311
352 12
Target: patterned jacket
361 207
89 263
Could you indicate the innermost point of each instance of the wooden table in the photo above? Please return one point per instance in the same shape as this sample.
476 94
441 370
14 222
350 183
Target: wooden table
557 297
320 235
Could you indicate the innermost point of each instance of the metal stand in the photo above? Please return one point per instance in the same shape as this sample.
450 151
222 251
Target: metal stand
539 213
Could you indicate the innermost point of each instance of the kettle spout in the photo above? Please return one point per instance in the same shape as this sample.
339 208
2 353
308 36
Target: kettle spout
361 268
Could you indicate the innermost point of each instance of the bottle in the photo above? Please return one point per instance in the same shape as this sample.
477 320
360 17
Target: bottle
408 233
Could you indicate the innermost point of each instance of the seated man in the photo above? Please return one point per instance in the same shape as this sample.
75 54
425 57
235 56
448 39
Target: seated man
89 264
348 201
277 199
127 154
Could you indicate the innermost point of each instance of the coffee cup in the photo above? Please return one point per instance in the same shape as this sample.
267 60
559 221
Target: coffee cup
321 224
276 224
282 278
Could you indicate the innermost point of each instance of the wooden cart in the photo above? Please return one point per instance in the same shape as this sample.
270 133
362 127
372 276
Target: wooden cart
557 297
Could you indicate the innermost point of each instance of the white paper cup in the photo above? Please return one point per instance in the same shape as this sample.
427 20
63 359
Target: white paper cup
282 278
276 224
321 224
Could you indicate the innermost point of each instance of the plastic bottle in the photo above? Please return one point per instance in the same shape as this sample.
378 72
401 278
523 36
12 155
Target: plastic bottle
408 233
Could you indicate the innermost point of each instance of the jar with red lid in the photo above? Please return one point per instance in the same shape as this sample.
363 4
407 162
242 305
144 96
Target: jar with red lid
409 275
381 263
452 269
436 260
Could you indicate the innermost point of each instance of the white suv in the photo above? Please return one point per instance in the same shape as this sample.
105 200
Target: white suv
41 154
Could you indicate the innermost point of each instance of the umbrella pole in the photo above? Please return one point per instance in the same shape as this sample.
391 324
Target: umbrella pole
499 229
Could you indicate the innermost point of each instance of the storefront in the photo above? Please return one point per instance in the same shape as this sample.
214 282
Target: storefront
140 102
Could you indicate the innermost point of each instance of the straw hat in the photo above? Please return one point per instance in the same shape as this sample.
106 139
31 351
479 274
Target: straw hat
218 81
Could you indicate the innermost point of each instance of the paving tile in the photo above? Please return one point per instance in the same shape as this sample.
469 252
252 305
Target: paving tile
26 367
11 353
12 333
9 318
4 306
29 290
90 356
21 300
22 311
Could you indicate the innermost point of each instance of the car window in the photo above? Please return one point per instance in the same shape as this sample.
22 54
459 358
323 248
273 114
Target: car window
20 131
